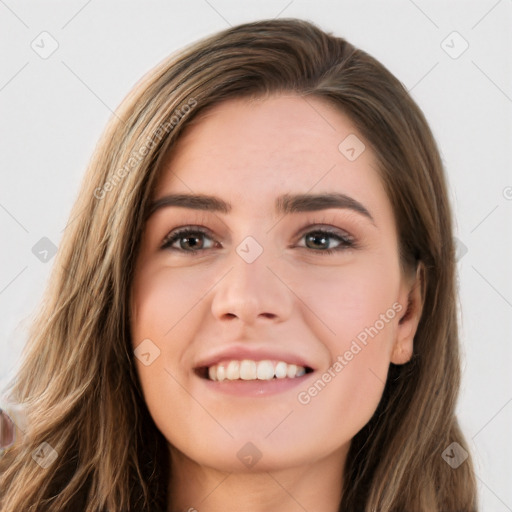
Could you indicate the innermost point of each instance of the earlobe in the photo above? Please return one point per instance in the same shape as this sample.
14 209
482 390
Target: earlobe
408 323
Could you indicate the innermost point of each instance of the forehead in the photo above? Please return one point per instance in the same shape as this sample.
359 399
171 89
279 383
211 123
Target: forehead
250 151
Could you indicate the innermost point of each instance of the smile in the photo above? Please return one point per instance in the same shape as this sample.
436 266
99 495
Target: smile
248 369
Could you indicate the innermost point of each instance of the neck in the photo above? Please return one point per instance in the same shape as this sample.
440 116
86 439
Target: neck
316 486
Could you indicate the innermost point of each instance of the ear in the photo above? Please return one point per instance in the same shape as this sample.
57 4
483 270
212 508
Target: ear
413 295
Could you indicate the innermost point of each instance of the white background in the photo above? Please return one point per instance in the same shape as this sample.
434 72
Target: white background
53 111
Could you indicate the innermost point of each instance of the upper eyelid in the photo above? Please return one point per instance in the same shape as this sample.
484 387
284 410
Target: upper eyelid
325 227
320 219
187 228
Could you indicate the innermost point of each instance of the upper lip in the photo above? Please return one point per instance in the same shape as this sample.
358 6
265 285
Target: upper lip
239 353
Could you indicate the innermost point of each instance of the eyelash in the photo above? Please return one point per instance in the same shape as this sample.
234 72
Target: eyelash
346 242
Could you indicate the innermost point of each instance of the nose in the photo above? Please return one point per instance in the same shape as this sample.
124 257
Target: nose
252 291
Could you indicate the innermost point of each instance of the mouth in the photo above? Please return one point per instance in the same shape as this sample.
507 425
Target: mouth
251 370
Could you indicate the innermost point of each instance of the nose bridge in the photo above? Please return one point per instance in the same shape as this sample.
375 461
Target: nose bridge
250 289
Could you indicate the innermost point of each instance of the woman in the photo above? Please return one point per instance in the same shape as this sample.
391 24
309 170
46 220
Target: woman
253 305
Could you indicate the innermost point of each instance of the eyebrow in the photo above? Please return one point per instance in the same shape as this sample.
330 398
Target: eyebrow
284 204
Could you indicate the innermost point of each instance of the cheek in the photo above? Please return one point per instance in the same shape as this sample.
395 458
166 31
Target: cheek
345 395
359 308
350 299
157 304
163 299
166 309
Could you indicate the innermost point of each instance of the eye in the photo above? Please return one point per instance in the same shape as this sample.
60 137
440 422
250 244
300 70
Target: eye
318 240
189 239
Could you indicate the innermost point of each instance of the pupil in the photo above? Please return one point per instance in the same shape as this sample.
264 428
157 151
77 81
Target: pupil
191 241
318 236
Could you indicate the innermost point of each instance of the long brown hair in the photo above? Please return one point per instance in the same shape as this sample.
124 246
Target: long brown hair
78 381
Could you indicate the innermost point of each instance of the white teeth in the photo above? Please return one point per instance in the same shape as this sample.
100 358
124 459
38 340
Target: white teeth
265 370
254 370
248 370
221 372
281 370
233 371
291 371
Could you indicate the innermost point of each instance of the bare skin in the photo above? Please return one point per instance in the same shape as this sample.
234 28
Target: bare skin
283 450
7 430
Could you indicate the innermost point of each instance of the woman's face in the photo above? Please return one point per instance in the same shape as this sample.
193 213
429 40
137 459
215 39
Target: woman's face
291 258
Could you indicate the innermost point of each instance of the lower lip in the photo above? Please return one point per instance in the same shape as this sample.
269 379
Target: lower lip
255 388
